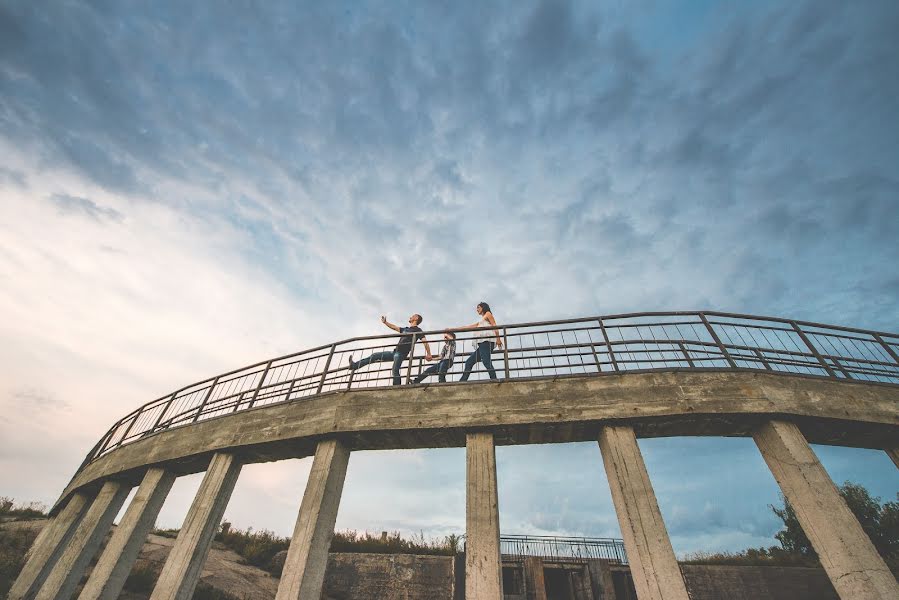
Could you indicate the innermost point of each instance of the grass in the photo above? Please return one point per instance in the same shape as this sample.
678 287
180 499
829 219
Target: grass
10 512
13 546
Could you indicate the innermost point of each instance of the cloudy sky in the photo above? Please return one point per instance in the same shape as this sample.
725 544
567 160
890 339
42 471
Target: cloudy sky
186 188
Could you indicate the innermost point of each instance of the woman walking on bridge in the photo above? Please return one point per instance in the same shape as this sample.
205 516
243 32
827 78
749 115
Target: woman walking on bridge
486 338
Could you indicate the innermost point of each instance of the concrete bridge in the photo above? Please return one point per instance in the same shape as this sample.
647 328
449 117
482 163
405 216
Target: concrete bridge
610 379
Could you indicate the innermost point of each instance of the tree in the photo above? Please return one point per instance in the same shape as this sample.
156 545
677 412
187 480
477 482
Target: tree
879 521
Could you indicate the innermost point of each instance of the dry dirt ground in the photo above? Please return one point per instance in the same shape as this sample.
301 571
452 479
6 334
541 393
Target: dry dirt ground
223 569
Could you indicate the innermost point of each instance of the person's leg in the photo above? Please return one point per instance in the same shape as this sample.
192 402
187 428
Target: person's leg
397 364
469 364
485 349
427 372
376 357
442 367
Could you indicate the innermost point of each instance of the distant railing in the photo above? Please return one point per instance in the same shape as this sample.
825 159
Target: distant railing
562 549
657 341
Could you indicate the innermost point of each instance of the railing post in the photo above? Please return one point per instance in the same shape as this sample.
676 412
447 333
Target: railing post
887 348
258 387
321 384
717 341
506 351
596 358
605 336
686 354
168 405
205 399
131 425
762 358
813 350
411 357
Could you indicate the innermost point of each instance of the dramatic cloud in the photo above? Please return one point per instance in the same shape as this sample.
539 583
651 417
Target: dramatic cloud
186 188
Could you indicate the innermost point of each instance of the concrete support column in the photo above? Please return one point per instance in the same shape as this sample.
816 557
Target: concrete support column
483 567
48 546
84 543
534 582
894 454
182 569
601 579
856 570
108 577
307 557
656 573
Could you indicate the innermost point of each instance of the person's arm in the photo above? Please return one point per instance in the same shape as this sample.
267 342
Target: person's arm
464 327
428 354
389 324
492 321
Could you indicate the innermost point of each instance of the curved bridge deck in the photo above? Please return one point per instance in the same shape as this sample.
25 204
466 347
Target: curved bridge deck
605 379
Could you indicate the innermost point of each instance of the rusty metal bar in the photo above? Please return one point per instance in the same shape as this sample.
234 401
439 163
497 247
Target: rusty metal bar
813 350
321 384
886 347
258 387
762 359
506 350
686 354
410 358
605 336
715 337
205 400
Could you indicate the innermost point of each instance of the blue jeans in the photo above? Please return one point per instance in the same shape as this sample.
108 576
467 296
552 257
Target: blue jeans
483 353
440 368
396 357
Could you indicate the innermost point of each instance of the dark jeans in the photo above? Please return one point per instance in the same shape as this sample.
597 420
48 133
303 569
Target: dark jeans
483 353
396 357
440 368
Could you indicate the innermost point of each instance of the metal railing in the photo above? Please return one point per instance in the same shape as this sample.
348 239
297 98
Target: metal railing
572 347
562 549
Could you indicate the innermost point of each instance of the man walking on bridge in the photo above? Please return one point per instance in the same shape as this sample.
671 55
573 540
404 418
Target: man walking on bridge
402 350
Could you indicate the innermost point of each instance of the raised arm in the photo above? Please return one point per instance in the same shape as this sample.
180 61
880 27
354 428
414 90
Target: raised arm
389 324
424 341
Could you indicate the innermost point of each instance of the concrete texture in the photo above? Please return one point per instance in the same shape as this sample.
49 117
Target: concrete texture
601 579
182 569
48 546
522 412
388 577
307 558
84 543
533 578
856 570
653 564
722 582
108 577
483 569
893 453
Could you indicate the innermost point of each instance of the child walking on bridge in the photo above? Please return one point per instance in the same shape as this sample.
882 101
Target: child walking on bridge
445 359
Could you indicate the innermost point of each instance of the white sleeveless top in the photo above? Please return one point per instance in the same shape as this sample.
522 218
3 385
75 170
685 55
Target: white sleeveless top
485 335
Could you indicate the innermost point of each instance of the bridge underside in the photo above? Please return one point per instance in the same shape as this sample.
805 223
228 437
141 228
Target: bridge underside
570 409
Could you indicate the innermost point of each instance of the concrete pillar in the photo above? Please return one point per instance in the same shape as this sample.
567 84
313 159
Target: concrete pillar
894 454
182 569
85 541
48 546
307 557
483 567
856 570
655 570
108 577
601 579
534 582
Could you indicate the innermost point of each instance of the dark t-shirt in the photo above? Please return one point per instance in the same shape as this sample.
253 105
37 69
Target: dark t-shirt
405 344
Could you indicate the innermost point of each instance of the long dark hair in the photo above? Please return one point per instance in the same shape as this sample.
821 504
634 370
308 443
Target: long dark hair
484 307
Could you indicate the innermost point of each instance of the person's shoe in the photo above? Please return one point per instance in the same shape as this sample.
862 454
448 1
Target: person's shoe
350 363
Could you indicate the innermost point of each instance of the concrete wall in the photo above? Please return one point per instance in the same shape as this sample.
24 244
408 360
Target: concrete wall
720 582
388 577
408 577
